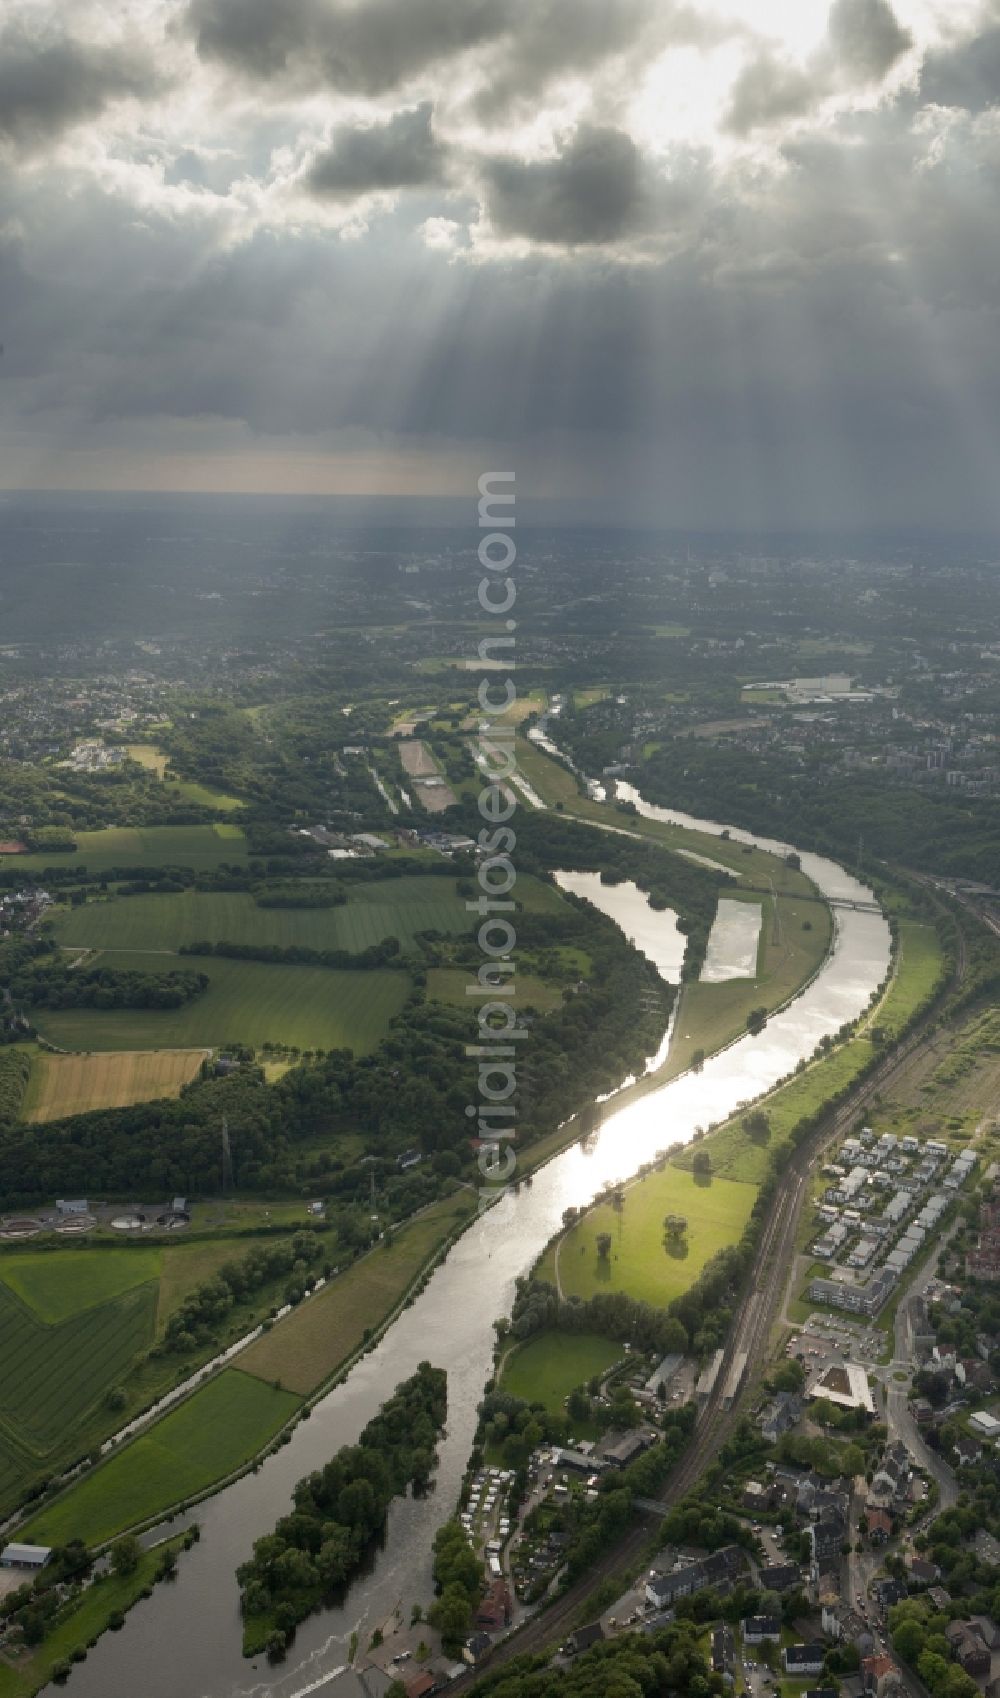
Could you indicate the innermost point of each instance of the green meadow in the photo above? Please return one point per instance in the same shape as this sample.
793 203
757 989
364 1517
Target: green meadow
546 1368
202 847
639 1263
248 1002
383 908
205 1438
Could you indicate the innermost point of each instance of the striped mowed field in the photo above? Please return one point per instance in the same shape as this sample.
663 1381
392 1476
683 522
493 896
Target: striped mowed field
384 908
199 846
73 1084
247 1002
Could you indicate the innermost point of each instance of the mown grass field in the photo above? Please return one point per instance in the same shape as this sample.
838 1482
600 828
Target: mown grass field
716 1214
202 847
384 908
448 984
72 1084
545 1369
216 1430
249 1002
921 964
302 1351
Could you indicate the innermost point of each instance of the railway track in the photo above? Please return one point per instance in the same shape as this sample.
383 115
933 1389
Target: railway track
750 1331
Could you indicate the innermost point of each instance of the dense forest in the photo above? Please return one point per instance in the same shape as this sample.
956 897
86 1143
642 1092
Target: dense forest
15 1068
338 1510
61 986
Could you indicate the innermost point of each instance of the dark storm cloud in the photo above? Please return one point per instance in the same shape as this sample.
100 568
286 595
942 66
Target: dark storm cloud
967 75
370 47
866 37
591 192
50 83
402 153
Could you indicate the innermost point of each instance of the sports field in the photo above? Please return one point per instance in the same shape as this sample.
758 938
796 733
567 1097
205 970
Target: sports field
548 1367
383 908
247 1002
638 1262
199 846
305 1349
72 1084
216 1430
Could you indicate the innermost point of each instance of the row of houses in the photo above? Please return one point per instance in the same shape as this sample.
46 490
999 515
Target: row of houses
720 1569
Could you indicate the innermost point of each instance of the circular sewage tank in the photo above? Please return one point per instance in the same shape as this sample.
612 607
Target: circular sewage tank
19 1228
128 1223
75 1224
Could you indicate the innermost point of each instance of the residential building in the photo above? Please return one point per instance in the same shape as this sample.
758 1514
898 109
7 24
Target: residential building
798 1660
879 1674
782 1577
968 1649
757 1628
879 1526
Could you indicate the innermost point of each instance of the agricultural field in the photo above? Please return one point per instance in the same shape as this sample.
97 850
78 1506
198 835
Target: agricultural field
57 1373
247 1002
203 847
205 1438
716 1214
55 1284
376 910
546 1368
305 1349
75 1323
73 1084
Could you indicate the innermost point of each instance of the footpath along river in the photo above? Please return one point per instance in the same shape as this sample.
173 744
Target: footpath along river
184 1642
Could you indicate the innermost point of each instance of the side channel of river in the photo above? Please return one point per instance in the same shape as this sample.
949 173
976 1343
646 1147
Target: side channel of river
185 1641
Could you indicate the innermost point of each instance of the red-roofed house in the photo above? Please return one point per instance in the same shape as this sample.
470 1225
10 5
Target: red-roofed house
879 1674
420 1686
879 1526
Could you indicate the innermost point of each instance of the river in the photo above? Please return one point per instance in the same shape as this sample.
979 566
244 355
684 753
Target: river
185 1641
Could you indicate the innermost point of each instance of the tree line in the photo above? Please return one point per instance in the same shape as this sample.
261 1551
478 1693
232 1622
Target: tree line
59 986
196 1322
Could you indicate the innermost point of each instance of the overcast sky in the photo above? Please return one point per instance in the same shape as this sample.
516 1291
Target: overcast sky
702 261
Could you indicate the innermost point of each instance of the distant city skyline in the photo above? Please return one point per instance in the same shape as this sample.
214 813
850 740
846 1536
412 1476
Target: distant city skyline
724 262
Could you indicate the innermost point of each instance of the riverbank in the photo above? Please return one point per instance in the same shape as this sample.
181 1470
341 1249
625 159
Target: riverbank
101 1608
194 1630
